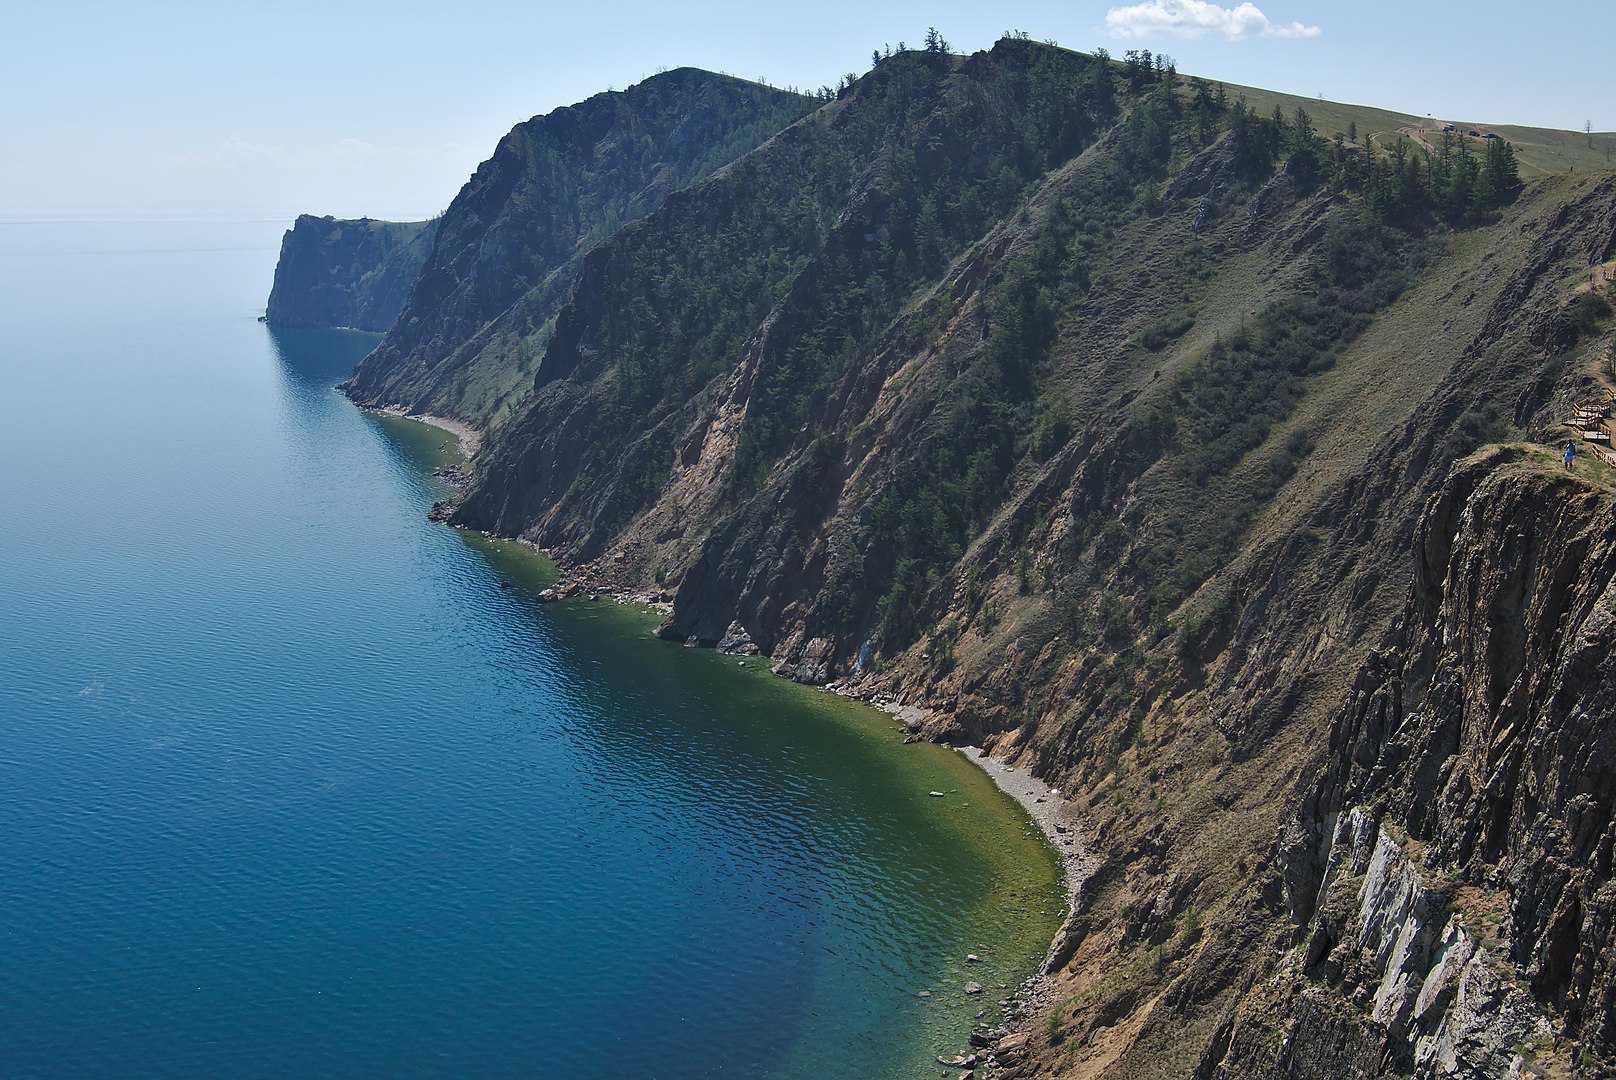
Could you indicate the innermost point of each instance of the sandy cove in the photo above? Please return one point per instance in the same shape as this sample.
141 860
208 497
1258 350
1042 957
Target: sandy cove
1046 805
470 438
1057 816
1061 823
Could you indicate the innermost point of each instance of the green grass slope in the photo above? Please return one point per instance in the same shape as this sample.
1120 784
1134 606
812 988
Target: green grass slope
1541 150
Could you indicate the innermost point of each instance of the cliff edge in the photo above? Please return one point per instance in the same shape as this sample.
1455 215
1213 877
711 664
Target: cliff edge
1450 870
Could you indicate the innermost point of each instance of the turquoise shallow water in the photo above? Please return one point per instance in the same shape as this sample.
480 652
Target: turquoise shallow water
293 782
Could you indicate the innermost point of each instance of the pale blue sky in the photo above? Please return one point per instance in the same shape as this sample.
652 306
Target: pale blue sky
117 109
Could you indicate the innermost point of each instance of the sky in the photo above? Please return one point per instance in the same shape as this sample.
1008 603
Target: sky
253 109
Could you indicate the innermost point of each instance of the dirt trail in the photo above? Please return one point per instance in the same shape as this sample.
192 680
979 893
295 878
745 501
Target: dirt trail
1603 274
1418 133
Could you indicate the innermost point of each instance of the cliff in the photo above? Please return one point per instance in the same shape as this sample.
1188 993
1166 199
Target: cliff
508 249
1357 943
703 353
1451 866
347 273
1132 434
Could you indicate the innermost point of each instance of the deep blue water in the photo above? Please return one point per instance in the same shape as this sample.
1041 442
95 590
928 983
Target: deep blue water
293 782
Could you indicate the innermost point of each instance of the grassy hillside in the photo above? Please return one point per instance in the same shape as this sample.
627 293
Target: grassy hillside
1550 150
1541 150
812 292
475 333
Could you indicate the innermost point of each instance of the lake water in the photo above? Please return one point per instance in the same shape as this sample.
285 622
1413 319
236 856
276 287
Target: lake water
296 783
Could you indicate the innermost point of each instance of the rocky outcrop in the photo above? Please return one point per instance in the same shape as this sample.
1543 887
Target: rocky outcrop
1418 989
1451 868
476 321
352 274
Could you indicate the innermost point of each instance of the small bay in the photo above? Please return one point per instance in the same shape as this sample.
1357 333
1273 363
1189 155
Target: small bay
296 782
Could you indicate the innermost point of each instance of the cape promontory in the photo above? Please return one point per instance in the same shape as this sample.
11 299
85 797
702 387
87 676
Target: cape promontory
347 273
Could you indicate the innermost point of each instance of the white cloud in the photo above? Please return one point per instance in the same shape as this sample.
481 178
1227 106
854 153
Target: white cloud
1197 18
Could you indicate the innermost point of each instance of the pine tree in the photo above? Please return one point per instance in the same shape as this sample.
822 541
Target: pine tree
929 237
1303 149
1500 176
1455 191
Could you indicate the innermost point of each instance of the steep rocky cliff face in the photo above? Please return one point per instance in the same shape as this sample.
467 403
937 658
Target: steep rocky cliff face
479 314
717 337
1117 426
347 273
1338 950
1452 864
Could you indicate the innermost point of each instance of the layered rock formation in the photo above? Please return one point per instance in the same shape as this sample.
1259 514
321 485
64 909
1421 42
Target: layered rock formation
353 274
1452 866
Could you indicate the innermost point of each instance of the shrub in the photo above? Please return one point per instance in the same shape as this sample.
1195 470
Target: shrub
1167 329
1587 312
